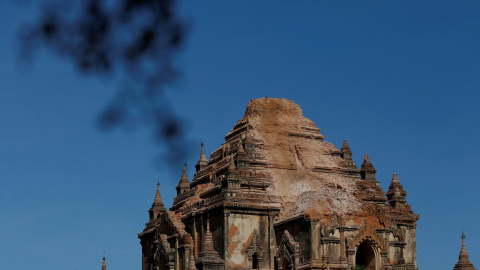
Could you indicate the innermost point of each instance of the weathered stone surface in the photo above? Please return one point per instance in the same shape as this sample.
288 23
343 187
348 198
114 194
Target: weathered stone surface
275 195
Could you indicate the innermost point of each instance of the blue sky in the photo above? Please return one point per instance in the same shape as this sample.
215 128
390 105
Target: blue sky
398 79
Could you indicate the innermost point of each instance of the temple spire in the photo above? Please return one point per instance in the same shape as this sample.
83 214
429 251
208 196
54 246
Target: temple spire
104 264
208 242
370 188
202 161
158 198
463 259
184 183
208 249
157 206
346 153
367 171
184 173
208 258
396 193
191 263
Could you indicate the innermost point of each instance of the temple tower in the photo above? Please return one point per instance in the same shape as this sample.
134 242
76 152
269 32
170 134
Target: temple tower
396 194
208 259
184 184
202 161
463 259
104 264
157 206
275 195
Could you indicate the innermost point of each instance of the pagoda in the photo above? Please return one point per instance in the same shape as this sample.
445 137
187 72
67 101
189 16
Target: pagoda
276 195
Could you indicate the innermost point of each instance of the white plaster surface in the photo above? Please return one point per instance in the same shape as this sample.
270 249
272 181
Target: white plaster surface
246 226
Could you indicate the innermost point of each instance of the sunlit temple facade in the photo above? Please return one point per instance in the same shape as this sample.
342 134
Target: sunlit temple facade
275 195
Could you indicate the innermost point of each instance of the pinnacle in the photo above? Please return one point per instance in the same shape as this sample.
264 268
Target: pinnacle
208 250
346 153
184 178
396 193
191 264
463 259
202 154
157 202
208 242
158 198
104 264
367 170
463 251
395 179
366 159
184 183
345 148
202 161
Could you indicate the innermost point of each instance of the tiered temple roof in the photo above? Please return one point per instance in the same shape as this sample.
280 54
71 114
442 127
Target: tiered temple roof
274 171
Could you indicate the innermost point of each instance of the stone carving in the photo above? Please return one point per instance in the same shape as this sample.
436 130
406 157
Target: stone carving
254 248
288 252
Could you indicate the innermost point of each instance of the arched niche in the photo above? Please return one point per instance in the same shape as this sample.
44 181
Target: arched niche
368 255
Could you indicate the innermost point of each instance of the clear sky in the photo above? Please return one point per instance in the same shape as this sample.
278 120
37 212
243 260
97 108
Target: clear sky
399 80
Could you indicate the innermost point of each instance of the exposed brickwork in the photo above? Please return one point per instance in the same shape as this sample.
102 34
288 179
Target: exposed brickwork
275 195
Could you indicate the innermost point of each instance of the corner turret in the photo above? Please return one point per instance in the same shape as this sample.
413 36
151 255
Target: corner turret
367 171
157 206
202 161
370 189
231 182
191 263
208 258
184 184
396 194
345 152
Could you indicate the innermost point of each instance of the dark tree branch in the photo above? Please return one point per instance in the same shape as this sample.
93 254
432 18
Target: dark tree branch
136 40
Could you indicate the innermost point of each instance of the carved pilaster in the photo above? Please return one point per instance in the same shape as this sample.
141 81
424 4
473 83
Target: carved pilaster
401 260
385 258
226 236
296 256
195 239
271 239
202 231
177 265
350 255
398 254
314 237
343 258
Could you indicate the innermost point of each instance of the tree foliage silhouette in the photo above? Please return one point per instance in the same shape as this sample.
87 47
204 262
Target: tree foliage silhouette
132 41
